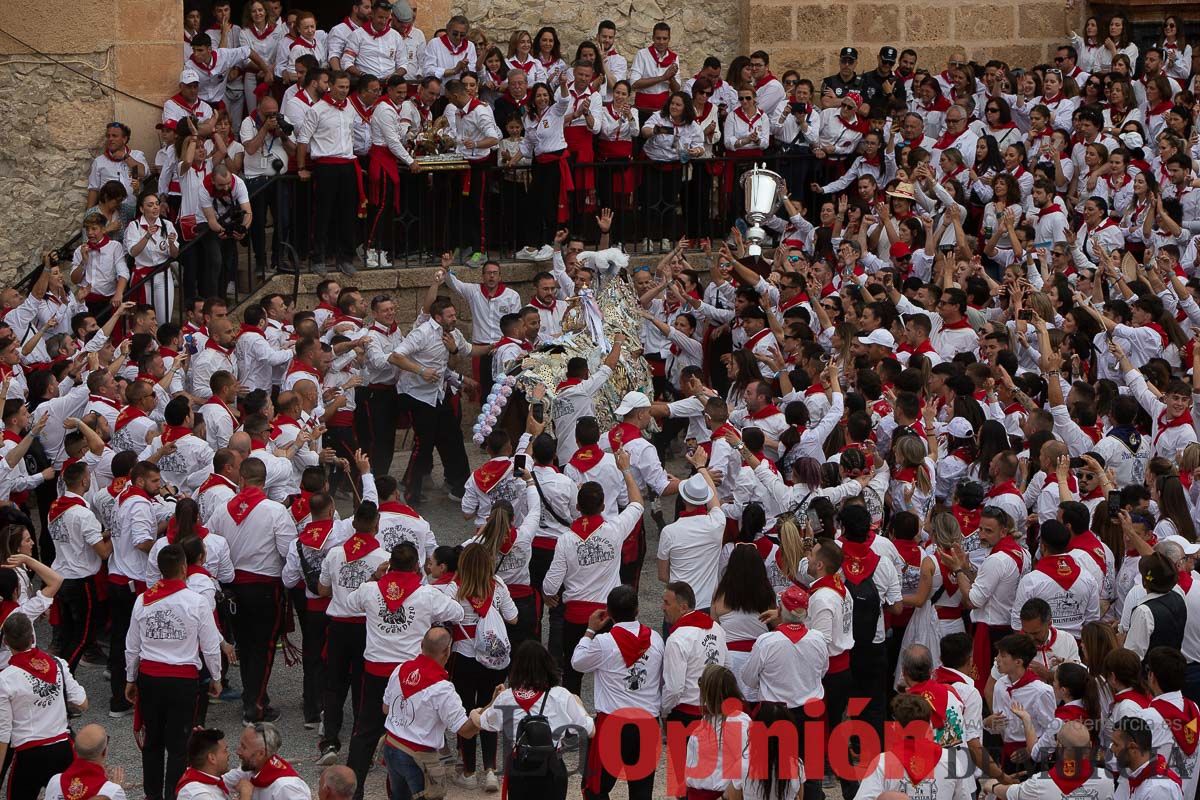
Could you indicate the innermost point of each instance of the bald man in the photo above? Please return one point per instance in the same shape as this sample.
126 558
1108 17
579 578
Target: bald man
1074 772
217 354
81 780
337 783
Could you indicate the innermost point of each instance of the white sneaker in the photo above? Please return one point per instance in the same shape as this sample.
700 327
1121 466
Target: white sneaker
526 254
467 781
645 245
544 254
230 289
384 261
372 258
666 245
490 783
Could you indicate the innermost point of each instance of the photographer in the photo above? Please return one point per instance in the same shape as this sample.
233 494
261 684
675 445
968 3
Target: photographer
266 135
225 204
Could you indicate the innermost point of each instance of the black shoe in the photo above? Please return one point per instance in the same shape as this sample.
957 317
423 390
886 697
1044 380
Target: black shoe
95 656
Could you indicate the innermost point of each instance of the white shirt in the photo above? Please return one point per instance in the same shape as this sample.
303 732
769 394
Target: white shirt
31 709
216 559
215 496
441 58
212 358
343 575
588 569
1038 699
423 717
375 54
105 169
1151 788
385 129
75 532
177 630
474 122
157 249
544 131
617 685
667 146
105 266
785 672
219 423
561 708
292 47
832 615
328 130
260 544
995 588
693 546
648 63
395 637
134 523
485 312
256 358
54 790
688 651
1070 608
424 345
572 402
400 523
605 472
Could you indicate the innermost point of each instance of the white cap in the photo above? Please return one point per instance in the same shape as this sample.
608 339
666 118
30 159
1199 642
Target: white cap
1189 548
631 402
189 76
880 337
960 428
695 491
1131 139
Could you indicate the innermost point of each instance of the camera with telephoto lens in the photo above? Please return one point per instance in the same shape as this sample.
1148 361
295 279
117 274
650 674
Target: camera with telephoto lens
285 128
231 221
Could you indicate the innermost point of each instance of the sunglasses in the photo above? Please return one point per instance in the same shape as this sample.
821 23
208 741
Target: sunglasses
992 110
958 63
1059 59
744 99
1057 72
790 82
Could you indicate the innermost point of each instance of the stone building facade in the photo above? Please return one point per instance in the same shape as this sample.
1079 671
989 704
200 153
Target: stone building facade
54 113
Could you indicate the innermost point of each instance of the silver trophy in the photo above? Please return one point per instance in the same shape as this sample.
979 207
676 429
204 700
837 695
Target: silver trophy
762 198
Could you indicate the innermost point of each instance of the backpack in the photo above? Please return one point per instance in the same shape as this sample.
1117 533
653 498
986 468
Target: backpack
534 747
867 609
492 648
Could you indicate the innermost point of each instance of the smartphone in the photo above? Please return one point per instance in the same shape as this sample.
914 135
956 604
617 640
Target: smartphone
946 248
519 463
1077 463
539 412
1025 315
1114 505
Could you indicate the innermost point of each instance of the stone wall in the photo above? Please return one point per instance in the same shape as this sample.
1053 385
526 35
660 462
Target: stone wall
697 29
54 117
806 34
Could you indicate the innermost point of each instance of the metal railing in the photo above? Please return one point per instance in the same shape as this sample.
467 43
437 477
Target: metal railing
489 209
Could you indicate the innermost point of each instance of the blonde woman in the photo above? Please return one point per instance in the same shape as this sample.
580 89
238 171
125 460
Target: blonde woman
911 487
718 686
511 549
936 602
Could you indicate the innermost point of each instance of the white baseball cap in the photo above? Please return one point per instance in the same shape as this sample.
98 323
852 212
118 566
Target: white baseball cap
631 402
1189 548
695 491
960 428
189 76
880 337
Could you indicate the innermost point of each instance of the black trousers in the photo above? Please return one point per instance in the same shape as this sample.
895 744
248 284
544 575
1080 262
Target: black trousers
32 769
343 671
258 620
631 752
539 565
336 197
434 427
278 201
475 684
313 632
572 633
120 609
168 706
368 727
661 201
76 602
468 211
219 266
527 617
839 687
380 410
543 189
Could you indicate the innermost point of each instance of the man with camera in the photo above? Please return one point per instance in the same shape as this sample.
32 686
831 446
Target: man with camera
225 203
267 137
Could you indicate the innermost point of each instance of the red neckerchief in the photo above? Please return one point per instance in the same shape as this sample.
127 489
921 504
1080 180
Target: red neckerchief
492 294
491 473
524 101
191 775
764 80
420 673
1049 101
1165 424
1183 722
37 663
860 561
300 366
950 176
586 457
245 501
919 758
207 68
62 504
1154 769
1062 569
693 619
585 526
830 582
948 676
173 433
909 550
315 533
446 577
568 383
1135 697
632 645
216 401
665 61
302 42
1094 432
1008 487
359 546
526 698
793 631
940 103
266 32
948 139
273 770
13 436
536 303
192 107
117 486
462 48
370 29
1089 543
378 328
82 780
1052 208
131 491
396 507
173 531
163 589
97 246
252 330
749 122
340 105
395 587
753 341
937 694
1011 548
814 389
211 344
1185 581
1026 678
769 410
960 325
362 110
1069 774
482 605
1071 712
625 432
281 420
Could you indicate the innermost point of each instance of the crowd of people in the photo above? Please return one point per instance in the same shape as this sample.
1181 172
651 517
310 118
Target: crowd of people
932 462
